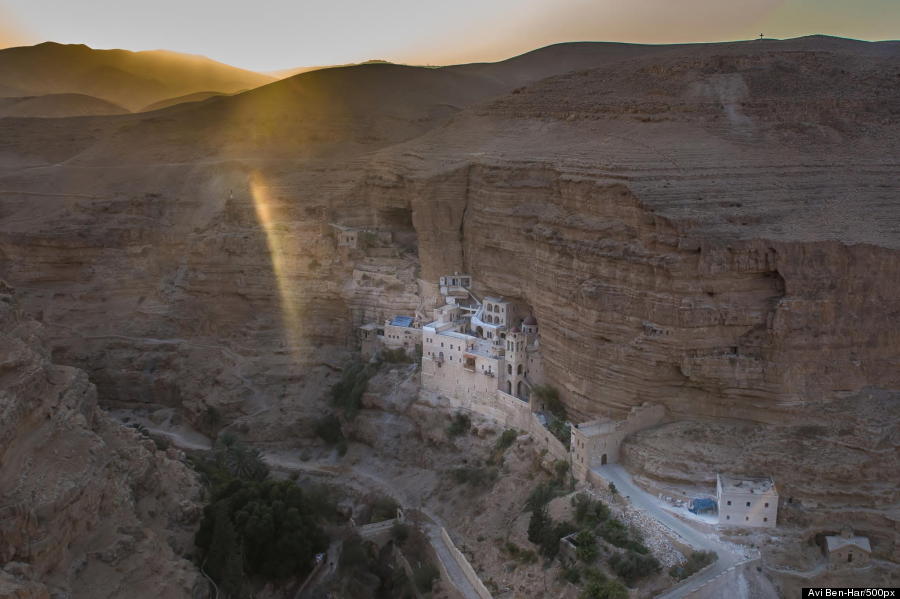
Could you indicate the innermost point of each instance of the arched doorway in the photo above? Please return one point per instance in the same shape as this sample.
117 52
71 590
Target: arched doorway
519 389
603 460
479 331
509 387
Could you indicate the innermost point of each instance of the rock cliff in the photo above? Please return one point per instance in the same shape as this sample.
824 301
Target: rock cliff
87 508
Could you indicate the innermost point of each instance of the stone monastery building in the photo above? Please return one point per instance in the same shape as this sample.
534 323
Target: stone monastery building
477 348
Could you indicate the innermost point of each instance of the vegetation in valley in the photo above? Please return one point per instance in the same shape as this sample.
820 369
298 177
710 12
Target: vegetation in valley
696 562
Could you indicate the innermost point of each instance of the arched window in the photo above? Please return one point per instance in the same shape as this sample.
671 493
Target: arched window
509 369
509 387
519 369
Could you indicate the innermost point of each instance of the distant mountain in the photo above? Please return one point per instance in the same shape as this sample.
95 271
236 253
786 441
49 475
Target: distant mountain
57 106
196 97
129 79
285 73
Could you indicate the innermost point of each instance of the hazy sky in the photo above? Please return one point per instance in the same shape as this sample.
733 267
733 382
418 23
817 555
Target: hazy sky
273 34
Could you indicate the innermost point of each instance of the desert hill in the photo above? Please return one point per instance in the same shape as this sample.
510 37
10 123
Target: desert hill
57 106
129 79
195 97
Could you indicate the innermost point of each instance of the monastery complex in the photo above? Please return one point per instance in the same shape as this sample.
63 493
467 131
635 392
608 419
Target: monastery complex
483 355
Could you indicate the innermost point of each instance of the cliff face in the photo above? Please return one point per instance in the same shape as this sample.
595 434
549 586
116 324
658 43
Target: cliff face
88 507
635 307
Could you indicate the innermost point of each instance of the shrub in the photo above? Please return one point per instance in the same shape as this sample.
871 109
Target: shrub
549 396
542 494
571 574
613 489
631 566
475 476
506 439
383 508
585 546
460 424
424 576
589 512
395 356
561 430
347 393
329 429
400 532
696 562
606 589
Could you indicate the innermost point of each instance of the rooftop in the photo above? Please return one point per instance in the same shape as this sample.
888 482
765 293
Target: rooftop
750 485
836 542
496 300
402 321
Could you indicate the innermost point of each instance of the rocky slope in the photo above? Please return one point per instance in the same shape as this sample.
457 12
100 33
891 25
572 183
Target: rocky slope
87 508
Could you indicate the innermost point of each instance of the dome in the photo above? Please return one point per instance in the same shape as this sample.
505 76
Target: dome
530 321
516 330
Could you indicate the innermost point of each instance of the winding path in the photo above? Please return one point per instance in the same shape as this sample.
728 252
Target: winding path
690 535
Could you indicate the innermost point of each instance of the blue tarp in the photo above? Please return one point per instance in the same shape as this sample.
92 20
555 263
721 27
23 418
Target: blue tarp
402 321
702 504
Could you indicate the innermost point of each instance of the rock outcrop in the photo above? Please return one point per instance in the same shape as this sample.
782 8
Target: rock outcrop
87 507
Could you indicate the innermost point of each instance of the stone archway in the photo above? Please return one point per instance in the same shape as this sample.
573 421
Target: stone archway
603 460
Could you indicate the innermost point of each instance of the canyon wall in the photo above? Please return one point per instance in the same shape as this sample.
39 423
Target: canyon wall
89 508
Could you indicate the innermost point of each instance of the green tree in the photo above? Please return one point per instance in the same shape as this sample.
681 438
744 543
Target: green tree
605 589
631 566
538 524
270 523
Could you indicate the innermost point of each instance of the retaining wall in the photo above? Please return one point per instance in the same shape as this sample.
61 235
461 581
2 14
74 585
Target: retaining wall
465 566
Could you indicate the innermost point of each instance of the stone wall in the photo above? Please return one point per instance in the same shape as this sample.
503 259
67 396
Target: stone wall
466 567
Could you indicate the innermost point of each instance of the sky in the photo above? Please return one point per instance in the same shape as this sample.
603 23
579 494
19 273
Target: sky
266 35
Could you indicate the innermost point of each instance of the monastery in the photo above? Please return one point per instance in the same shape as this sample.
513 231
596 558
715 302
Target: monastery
483 356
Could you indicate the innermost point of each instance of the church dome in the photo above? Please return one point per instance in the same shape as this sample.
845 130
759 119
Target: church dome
530 321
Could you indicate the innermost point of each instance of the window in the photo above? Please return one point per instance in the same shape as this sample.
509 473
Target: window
767 505
728 517
747 518
748 504
765 519
729 502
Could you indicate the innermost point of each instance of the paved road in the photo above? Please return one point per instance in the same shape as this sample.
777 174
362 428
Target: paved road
457 578
690 535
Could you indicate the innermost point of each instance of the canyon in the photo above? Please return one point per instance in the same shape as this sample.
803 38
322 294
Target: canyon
713 228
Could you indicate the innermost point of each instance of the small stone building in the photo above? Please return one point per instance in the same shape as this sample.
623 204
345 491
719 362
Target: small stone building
402 332
346 236
847 551
746 501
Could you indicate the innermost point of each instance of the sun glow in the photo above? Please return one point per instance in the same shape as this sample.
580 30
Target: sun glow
281 255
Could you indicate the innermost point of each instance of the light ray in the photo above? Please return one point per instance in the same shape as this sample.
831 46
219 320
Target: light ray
281 254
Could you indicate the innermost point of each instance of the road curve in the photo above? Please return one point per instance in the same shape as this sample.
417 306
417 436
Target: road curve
690 535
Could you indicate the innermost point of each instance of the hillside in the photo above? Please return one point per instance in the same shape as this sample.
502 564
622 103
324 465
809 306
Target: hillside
57 106
195 97
129 79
